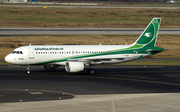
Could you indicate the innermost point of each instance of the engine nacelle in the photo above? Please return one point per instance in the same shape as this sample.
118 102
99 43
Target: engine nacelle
74 66
50 66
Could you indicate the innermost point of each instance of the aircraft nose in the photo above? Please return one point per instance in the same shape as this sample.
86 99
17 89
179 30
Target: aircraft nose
8 58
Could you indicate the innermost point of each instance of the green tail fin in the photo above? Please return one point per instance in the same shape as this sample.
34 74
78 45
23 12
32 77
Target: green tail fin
149 35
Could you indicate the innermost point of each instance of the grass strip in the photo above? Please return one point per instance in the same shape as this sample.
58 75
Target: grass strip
39 17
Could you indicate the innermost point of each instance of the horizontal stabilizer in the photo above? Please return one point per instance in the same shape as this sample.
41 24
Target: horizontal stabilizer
157 50
154 49
150 50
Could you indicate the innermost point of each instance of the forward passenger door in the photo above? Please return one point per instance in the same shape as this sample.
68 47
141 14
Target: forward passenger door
31 53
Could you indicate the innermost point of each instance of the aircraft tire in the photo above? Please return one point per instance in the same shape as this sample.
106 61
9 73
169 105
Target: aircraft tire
28 72
91 71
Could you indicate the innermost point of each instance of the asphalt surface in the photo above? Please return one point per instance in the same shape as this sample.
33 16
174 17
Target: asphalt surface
148 79
78 31
113 88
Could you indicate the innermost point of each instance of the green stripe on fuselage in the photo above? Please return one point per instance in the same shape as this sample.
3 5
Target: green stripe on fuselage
129 50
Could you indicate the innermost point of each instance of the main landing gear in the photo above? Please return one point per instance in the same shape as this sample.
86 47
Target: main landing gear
28 70
90 70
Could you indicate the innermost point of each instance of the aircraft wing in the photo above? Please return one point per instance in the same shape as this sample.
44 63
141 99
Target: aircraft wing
96 61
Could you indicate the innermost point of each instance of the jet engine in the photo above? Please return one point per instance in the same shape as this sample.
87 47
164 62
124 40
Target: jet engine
50 66
74 66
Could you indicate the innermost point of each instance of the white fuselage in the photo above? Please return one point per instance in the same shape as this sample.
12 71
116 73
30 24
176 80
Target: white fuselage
60 54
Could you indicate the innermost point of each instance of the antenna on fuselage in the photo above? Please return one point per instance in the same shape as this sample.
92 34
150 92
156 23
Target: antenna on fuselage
30 44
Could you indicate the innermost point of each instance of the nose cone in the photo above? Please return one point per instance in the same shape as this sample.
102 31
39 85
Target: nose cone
8 58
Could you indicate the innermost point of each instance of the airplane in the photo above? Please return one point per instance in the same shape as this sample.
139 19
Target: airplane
76 57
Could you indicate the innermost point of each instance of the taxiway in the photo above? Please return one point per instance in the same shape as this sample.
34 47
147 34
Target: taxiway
113 88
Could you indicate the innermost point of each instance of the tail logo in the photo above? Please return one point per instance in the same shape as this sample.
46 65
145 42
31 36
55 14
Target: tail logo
147 35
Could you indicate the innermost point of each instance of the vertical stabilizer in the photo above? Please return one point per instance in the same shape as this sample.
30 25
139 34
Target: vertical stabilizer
149 35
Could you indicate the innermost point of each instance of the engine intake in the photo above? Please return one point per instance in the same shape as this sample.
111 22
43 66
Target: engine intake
74 66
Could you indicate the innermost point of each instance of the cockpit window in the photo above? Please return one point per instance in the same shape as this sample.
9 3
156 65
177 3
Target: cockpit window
14 52
17 52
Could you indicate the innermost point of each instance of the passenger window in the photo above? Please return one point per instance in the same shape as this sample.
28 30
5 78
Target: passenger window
21 52
17 52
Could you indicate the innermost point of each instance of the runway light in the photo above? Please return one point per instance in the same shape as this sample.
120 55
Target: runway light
64 93
144 66
59 98
44 7
18 66
27 89
20 100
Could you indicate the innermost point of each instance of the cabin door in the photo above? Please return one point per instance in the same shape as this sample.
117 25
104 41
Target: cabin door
31 53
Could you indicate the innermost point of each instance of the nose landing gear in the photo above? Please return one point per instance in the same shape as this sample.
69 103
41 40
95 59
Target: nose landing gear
28 72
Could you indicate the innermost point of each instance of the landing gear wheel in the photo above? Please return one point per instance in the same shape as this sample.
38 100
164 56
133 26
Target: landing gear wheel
90 71
28 72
